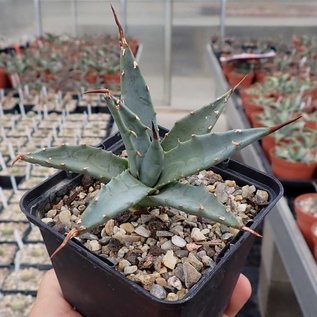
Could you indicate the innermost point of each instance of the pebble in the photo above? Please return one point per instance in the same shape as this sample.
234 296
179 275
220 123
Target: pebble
51 213
167 245
191 275
247 191
163 233
207 261
261 197
145 218
109 227
123 263
172 297
127 227
197 235
195 262
179 272
192 246
64 217
178 230
169 260
142 231
130 269
158 291
161 281
175 282
94 245
178 241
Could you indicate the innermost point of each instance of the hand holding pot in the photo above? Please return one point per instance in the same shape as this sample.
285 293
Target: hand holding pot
51 303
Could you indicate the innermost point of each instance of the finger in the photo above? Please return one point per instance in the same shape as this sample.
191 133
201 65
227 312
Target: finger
50 301
240 296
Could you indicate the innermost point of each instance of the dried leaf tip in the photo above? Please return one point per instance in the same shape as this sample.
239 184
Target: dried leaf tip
70 235
98 91
279 126
123 41
19 157
247 229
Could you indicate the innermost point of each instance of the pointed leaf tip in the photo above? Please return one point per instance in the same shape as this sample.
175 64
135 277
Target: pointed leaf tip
19 157
122 39
98 91
71 234
281 125
247 229
239 83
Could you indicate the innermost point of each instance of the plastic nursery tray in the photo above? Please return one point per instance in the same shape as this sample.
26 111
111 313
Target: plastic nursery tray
95 288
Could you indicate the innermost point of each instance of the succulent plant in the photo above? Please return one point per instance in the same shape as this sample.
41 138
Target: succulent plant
150 174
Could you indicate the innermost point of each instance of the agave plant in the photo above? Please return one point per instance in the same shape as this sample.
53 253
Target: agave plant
149 176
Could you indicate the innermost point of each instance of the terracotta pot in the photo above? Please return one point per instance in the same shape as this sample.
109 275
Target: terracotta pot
315 252
314 233
111 78
291 170
260 76
251 107
304 219
4 79
234 78
91 78
255 120
268 143
227 68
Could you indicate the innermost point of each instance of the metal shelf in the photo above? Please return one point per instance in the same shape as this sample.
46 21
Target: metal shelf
293 250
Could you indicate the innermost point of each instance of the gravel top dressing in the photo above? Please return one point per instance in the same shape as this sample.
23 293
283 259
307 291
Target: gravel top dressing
164 250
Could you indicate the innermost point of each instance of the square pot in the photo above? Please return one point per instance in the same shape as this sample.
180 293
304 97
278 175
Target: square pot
91 283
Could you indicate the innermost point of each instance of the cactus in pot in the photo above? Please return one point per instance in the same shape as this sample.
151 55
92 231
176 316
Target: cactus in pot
149 176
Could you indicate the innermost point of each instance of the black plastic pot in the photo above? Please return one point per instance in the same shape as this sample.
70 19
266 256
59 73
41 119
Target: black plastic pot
96 289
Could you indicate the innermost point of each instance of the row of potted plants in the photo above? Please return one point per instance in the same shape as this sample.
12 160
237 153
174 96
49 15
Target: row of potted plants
64 63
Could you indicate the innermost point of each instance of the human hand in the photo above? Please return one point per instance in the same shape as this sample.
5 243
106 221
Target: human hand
51 303
240 296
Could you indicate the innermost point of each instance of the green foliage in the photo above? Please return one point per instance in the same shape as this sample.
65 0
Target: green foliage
151 173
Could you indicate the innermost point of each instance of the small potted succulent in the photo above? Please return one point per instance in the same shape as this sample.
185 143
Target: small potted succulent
149 180
305 206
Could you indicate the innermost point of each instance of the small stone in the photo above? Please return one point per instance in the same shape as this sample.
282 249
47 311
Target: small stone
230 183
114 245
150 241
158 291
195 262
169 260
94 245
109 227
121 253
167 245
161 281
211 188
155 250
164 217
164 233
192 246
247 191
201 253
122 264
147 280
178 230
127 227
175 282
178 241
143 232
130 269
145 218
51 213
242 207
191 275
197 235
47 220
179 272
261 197
172 297
181 253
181 294
226 236
207 261
64 217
